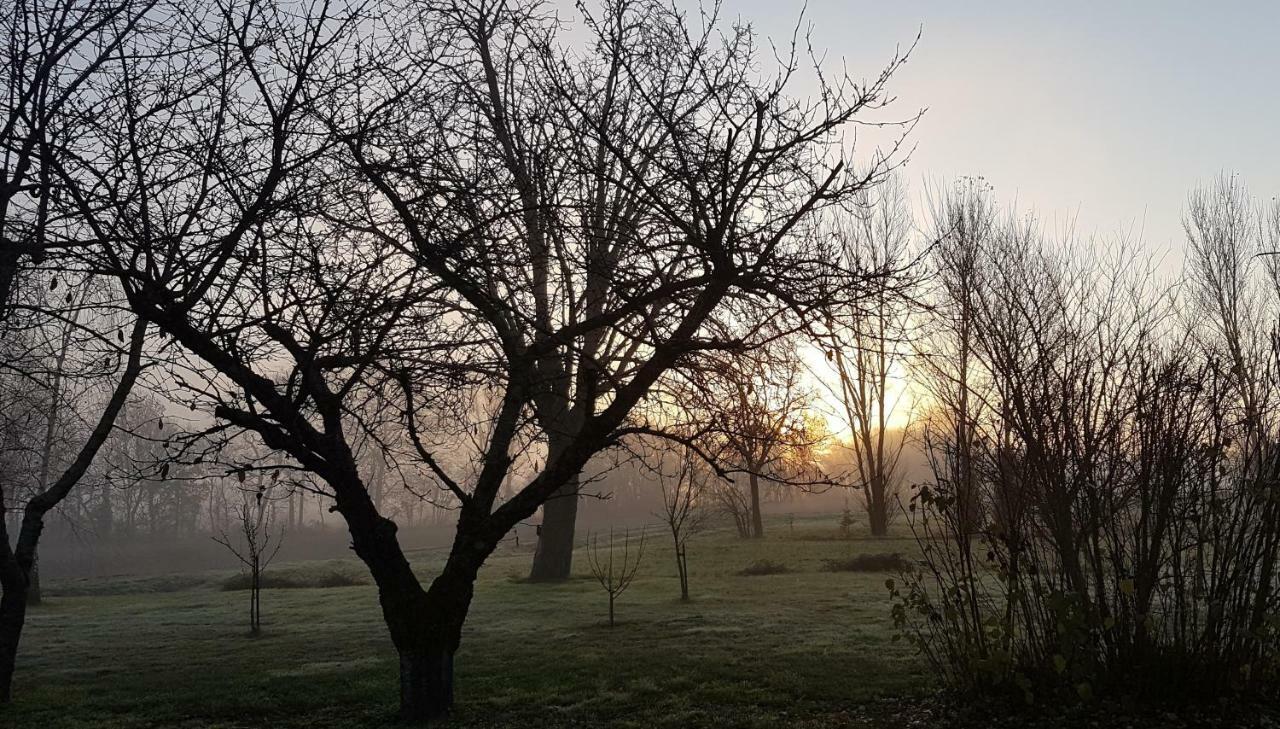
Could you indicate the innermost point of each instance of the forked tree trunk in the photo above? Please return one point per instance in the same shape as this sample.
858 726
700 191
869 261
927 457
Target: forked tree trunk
425 625
427 629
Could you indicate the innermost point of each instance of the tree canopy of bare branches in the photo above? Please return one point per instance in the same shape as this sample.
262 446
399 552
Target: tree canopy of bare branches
441 231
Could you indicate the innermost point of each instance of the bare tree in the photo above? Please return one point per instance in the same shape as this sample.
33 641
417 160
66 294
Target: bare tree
965 225
614 576
256 542
18 554
766 427
53 52
867 347
415 233
684 508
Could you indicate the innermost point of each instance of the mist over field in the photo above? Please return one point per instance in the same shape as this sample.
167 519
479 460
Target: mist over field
621 363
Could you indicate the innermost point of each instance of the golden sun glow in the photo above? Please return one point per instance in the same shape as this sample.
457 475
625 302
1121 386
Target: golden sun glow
904 396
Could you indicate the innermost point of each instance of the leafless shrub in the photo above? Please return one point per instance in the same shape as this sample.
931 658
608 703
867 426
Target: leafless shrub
1102 516
615 576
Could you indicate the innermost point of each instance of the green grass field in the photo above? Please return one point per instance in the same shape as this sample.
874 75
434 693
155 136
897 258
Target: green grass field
805 648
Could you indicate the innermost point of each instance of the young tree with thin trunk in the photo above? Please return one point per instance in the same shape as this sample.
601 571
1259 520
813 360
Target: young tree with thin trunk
502 244
684 508
615 576
965 223
256 542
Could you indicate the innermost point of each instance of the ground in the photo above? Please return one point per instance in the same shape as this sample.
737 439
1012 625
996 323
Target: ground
806 648
803 648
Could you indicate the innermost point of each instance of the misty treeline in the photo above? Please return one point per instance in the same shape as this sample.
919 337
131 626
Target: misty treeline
1103 513
484 244
357 260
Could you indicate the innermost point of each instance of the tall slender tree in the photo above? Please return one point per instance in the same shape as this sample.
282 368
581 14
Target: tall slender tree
868 343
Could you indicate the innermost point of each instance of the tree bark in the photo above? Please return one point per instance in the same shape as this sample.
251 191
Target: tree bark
879 518
425 624
553 558
757 520
33 583
682 566
13 614
426 684
426 627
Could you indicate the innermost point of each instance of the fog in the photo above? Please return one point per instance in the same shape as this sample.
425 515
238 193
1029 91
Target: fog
637 363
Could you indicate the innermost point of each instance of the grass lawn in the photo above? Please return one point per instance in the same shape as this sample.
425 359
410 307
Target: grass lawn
804 648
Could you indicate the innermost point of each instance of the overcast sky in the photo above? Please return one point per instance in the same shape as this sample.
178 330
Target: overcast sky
1109 111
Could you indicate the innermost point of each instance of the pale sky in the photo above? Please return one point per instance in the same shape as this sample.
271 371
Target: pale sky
1108 111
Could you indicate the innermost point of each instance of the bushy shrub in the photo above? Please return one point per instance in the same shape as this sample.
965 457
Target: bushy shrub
295 581
764 567
1104 512
876 562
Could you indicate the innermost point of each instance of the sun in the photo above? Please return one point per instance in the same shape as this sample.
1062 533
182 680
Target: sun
904 396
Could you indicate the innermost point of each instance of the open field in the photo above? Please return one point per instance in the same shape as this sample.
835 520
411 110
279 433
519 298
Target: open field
805 648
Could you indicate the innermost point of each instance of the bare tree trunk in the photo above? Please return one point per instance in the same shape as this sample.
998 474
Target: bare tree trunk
33 583
878 509
682 566
426 627
757 520
426 684
13 614
425 624
255 619
879 520
553 559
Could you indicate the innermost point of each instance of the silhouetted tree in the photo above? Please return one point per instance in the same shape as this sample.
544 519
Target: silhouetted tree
684 507
867 345
256 542
766 427
614 576
454 226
